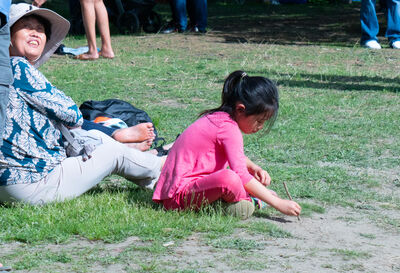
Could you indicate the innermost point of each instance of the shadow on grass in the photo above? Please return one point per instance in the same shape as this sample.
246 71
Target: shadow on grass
135 194
254 22
335 82
259 214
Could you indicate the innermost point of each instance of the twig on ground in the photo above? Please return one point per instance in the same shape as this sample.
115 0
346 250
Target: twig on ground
290 197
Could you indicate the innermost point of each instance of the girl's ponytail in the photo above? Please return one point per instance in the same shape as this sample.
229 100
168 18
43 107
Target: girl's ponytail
229 94
259 95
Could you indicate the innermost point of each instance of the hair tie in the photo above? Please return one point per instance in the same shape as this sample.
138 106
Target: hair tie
244 74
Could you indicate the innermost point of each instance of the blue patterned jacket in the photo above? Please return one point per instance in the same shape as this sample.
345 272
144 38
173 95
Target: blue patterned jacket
32 146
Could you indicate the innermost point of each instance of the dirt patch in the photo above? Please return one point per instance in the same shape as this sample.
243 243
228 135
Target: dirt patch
340 240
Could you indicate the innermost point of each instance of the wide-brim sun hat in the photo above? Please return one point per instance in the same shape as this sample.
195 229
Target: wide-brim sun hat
58 24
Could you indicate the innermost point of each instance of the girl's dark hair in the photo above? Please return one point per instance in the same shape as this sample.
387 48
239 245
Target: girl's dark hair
258 94
46 24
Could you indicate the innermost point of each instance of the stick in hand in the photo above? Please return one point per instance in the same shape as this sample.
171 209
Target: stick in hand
290 197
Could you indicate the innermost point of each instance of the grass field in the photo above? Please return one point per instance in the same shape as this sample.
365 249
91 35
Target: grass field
335 143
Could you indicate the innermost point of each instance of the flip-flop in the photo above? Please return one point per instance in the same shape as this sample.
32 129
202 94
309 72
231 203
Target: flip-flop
159 147
5 269
84 58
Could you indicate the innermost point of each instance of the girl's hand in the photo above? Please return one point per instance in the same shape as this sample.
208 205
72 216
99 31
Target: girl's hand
289 207
259 174
262 176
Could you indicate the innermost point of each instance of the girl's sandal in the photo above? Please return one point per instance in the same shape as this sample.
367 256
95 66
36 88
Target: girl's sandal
160 147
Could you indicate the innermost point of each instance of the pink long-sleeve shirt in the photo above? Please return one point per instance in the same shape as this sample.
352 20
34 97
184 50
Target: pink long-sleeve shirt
210 144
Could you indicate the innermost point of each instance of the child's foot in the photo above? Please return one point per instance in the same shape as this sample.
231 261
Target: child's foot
242 209
142 146
138 133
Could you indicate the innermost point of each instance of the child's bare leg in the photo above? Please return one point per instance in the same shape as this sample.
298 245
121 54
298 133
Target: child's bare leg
138 133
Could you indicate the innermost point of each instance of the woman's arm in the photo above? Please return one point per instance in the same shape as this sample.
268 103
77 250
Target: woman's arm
256 189
36 90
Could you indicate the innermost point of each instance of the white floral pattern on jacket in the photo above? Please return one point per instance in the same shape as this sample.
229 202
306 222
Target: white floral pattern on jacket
32 146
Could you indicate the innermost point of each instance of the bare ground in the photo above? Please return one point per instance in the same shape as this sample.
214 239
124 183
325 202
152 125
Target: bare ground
340 240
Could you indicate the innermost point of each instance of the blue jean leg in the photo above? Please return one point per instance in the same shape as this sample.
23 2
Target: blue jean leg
191 10
393 20
369 21
201 14
179 13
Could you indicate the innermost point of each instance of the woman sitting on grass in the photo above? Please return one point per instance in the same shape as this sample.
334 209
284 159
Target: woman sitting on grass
195 173
33 164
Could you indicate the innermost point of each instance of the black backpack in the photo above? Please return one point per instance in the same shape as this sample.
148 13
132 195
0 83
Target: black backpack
114 108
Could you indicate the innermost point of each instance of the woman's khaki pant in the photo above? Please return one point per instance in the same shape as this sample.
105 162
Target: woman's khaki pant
74 177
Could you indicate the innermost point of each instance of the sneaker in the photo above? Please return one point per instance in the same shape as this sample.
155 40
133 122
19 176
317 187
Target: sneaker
242 209
395 45
372 44
171 27
195 29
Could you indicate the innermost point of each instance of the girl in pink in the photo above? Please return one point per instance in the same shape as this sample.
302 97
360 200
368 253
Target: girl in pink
196 171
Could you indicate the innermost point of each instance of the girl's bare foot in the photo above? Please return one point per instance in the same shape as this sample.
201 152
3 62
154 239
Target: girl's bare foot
137 133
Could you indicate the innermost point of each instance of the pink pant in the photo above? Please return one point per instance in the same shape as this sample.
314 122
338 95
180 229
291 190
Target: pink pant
223 184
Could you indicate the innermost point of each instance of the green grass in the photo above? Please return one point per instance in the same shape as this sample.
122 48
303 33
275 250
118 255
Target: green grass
368 235
335 142
107 216
348 254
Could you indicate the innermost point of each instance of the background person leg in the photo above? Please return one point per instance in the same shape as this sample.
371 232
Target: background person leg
369 21
89 21
104 29
393 21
